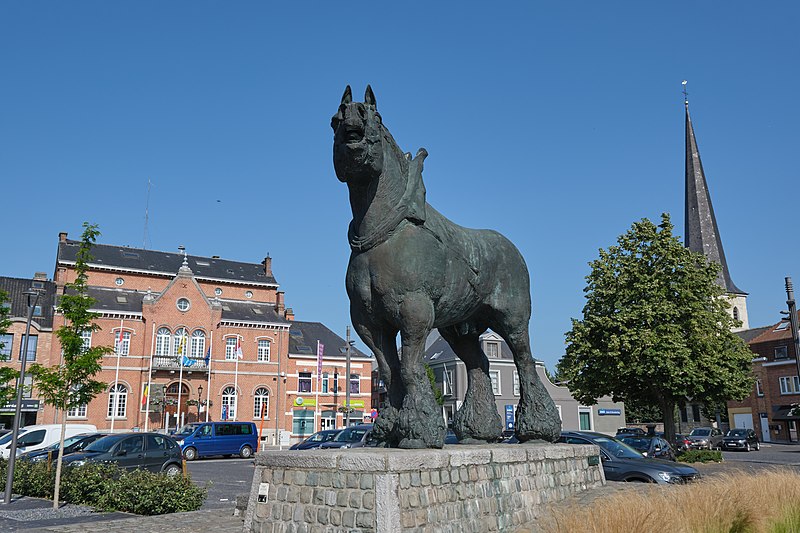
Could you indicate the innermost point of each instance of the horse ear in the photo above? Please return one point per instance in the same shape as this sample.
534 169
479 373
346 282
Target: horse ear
369 97
347 97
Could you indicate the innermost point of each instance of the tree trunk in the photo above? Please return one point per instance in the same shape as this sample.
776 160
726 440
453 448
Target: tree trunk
57 488
668 408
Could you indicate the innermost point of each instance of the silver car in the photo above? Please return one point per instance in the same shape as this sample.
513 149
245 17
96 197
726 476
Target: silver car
705 439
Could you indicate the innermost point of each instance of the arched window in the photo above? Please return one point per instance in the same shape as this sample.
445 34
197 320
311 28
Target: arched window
198 343
736 313
162 341
181 340
229 403
117 401
261 401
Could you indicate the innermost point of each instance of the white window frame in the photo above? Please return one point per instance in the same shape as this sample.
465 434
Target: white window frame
302 377
516 383
325 383
260 397
78 411
264 347
126 342
183 304
759 389
447 383
786 384
198 344
230 348
584 409
117 397
496 385
493 349
229 398
180 333
163 337
86 335
355 384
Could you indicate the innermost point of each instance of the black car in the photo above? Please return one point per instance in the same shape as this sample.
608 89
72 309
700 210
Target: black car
740 439
71 445
151 451
623 463
631 431
315 440
654 447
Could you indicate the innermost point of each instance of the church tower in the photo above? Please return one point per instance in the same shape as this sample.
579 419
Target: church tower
702 233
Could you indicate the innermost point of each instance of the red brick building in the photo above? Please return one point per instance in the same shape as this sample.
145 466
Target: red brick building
777 386
196 338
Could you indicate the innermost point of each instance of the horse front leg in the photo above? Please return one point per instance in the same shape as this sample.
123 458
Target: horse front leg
421 421
381 340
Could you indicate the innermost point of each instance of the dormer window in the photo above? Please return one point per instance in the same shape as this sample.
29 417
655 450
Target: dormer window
493 349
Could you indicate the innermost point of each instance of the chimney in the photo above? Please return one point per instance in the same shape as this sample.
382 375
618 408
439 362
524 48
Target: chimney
40 276
289 315
267 266
279 307
62 236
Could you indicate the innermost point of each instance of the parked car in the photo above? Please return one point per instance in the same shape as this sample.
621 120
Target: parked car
705 438
315 440
150 451
623 463
654 447
740 439
71 445
356 436
680 444
631 431
36 437
218 438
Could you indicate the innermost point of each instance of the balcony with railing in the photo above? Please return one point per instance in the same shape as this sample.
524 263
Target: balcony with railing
174 362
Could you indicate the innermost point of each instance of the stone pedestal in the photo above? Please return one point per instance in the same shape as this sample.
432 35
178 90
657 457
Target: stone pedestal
458 489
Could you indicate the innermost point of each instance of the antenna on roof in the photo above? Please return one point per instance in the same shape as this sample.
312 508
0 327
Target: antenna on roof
146 216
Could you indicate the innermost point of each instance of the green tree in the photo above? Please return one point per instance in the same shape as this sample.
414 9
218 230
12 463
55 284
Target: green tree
437 392
655 328
70 384
8 375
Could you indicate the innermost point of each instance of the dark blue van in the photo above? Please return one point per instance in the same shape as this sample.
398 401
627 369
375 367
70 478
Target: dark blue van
218 438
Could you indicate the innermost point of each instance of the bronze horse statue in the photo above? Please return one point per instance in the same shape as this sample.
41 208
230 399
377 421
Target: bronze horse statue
412 270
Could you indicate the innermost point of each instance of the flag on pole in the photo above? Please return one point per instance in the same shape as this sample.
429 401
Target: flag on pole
182 345
208 356
239 353
119 341
320 351
145 395
186 361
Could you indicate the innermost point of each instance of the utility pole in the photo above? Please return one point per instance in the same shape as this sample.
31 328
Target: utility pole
347 383
793 321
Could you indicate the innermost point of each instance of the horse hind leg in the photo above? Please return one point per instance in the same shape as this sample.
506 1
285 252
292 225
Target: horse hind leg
477 420
537 416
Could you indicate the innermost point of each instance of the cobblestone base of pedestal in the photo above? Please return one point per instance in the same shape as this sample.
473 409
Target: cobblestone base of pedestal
459 489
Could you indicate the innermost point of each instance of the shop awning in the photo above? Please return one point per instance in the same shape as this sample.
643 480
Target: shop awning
784 415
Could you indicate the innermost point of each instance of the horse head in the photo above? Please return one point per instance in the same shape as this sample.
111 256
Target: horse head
357 139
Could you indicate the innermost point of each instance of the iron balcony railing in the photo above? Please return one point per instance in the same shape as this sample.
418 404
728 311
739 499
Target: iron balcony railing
173 362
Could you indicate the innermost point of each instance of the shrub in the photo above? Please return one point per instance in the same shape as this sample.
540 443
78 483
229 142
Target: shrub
700 456
109 488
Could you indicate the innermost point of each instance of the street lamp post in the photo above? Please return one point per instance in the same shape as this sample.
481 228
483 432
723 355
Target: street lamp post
793 321
347 382
33 298
199 400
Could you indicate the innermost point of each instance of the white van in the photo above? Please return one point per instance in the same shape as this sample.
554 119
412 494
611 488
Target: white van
41 436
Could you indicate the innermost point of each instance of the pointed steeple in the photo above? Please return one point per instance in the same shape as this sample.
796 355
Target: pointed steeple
702 233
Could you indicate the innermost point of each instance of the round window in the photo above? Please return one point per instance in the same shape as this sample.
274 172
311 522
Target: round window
183 304
218 291
119 281
249 294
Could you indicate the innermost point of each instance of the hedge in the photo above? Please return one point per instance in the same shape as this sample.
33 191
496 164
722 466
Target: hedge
108 487
700 456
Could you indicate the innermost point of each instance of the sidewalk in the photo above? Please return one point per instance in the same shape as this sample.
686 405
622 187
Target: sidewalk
37 515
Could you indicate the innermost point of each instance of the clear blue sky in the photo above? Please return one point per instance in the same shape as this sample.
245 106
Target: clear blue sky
557 124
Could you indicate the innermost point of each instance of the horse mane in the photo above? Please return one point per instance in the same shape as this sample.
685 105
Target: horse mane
411 167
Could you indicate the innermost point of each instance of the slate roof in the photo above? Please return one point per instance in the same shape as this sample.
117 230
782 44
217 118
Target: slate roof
251 312
439 350
166 263
116 300
15 287
303 337
701 231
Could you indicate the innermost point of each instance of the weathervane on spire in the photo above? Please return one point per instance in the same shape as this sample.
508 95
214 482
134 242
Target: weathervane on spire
685 94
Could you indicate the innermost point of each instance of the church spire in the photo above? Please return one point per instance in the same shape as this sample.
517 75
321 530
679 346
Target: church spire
701 231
